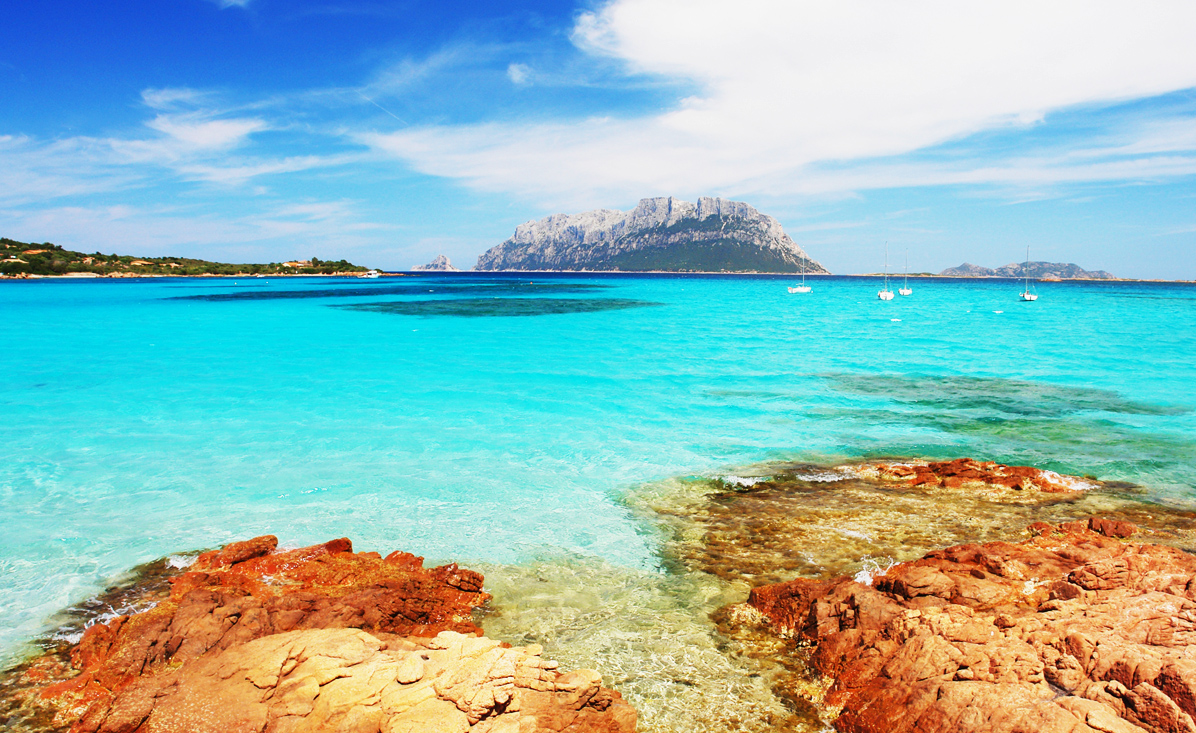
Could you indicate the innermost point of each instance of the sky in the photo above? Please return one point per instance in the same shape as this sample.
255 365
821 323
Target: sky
389 132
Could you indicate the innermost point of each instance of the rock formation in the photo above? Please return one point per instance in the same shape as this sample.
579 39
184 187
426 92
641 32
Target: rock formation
660 234
320 638
1035 270
965 472
439 263
1072 630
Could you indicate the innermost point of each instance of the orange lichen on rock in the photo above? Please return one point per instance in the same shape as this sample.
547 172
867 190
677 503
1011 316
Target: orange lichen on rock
319 638
1072 630
965 471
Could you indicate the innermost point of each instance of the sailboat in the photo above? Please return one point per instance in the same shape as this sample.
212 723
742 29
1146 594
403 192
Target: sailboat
1027 296
905 288
886 294
803 288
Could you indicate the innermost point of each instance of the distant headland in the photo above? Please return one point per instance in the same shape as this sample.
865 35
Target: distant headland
25 260
658 235
1036 270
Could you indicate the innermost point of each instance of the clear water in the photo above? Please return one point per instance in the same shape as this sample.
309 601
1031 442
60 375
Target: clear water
137 421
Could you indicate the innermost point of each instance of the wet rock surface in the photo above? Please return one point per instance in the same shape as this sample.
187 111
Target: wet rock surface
780 521
320 638
965 472
1075 629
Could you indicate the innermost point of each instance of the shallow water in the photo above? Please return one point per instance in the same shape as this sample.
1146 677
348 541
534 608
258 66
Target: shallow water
139 421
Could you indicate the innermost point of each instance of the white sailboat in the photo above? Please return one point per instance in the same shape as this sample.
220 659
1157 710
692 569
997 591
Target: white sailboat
1027 295
803 288
886 294
905 288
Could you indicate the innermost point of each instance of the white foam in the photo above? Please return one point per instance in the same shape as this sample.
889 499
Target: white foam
873 568
1071 482
179 562
856 534
742 481
823 477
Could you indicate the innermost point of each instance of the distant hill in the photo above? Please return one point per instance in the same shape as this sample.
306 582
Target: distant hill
440 263
1037 270
21 259
660 234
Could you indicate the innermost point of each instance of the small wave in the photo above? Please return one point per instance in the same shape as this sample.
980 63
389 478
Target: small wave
1072 482
181 562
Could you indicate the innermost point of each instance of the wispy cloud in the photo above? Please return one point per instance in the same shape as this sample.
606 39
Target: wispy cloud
519 73
787 87
189 138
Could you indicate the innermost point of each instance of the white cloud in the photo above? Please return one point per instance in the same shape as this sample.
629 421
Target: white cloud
205 134
786 84
519 73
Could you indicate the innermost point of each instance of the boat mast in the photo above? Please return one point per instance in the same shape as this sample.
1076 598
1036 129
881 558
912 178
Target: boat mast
886 266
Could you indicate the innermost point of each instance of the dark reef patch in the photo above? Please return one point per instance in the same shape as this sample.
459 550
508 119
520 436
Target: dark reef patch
496 307
1008 396
437 288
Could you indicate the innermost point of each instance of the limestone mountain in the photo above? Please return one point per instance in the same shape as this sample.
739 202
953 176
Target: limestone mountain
1036 270
660 234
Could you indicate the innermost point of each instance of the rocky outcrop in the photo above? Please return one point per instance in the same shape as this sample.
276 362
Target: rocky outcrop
1072 630
1036 270
660 234
440 263
967 473
320 638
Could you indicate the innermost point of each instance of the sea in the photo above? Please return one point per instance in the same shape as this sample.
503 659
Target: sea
501 419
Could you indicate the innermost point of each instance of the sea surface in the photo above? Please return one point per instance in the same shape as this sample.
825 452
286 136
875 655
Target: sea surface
500 419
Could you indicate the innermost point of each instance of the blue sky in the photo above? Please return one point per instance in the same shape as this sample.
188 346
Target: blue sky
389 132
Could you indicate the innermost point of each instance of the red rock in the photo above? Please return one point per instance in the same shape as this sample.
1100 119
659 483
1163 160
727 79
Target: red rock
1111 528
1072 630
961 472
163 670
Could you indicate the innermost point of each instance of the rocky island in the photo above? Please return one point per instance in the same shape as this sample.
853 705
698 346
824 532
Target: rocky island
660 234
1036 270
439 263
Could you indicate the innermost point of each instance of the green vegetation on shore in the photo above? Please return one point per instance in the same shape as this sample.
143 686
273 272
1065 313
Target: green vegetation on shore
18 259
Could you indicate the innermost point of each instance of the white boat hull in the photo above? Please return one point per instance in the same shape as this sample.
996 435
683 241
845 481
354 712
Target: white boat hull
905 291
1028 296
800 289
885 295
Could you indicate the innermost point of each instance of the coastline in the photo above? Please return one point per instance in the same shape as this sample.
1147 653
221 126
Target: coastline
600 273
687 648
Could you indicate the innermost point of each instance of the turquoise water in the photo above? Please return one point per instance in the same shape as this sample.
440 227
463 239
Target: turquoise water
498 419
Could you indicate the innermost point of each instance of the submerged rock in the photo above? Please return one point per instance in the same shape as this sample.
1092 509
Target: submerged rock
1071 630
320 638
775 522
